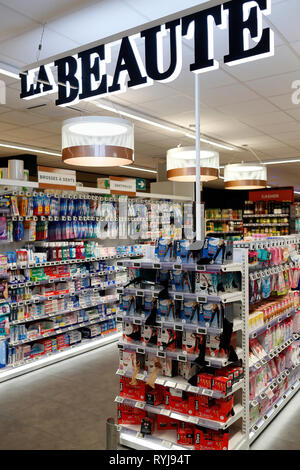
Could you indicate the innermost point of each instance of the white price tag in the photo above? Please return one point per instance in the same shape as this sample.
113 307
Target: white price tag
193 419
207 392
140 404
119 399
165 412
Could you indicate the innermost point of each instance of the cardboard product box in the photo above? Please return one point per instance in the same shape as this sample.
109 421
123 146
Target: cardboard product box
129 415
222 384
185 370
135 392
185 435
164 423
190 342
155 396
205 380
167 338
177 400
214 409
207 439
128 361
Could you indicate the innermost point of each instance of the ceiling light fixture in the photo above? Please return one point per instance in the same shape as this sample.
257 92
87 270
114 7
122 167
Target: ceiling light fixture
30 149
139 169
152 122
9 71
245 176
136 117
97 141
210 142
181 164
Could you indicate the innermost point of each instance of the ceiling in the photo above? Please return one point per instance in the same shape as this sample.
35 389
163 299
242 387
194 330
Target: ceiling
248 104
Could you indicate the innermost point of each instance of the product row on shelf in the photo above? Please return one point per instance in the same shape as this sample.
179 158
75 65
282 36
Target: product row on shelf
56 297
52 217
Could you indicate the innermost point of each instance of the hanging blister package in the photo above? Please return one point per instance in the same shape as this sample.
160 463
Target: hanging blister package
266 287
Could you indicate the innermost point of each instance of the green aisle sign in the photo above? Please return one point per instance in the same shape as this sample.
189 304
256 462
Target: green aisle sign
140 184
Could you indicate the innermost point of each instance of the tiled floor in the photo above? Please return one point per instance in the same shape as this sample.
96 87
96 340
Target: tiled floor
65 406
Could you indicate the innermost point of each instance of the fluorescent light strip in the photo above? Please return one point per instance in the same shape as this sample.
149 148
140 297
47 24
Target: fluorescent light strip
162 126
139 169
135 117
297 192
279 162
30 149
60 356
206 141
11 72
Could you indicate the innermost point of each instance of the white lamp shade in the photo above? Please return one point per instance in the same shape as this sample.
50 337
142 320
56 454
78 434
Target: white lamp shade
245 176
97 141
181 164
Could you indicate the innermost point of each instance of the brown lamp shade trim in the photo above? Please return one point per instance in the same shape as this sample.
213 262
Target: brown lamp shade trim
97 151
245 183
191 171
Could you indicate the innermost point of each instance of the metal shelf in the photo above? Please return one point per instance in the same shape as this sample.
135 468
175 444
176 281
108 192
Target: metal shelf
262 423
179 325
178 266
259 331
29 265
166 440
41 298
261 362
204 422
64 312
181 356
264 215
180 383
65 278
223 298
271 385
54 357
60 330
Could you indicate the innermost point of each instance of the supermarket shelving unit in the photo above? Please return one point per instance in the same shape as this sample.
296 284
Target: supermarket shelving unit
16 187
256 428
238 424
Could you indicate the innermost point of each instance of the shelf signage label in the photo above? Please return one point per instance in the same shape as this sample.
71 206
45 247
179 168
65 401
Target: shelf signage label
91 74
56 178
122 186
279 195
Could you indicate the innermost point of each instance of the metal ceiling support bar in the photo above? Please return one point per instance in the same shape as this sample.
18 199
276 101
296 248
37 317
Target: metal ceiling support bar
198 144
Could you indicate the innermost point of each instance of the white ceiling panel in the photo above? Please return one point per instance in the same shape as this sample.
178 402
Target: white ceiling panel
283 17
284 60
43 11
229 94
267 119
21 118
283 101
13 23
275 85
239 110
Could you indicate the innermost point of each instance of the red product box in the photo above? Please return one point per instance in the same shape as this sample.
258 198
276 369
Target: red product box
61 342
136 392
185 436
47 345
222 384
155 397
176 400
214 409
129 415
205 380
206 439
164 422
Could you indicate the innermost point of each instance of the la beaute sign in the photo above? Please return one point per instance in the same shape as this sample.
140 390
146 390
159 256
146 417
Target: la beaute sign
84 76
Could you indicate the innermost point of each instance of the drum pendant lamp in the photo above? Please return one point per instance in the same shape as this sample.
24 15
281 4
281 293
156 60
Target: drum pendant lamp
181 164
97 141
245 176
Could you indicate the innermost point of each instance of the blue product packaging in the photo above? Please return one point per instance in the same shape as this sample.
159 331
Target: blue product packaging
3 353
266 287
166 309
164 249
128 304
184 250
190 312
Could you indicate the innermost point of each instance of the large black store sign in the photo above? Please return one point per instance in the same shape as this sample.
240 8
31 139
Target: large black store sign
84 75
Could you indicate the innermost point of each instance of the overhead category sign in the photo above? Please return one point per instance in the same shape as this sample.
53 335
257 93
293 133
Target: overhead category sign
91 74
